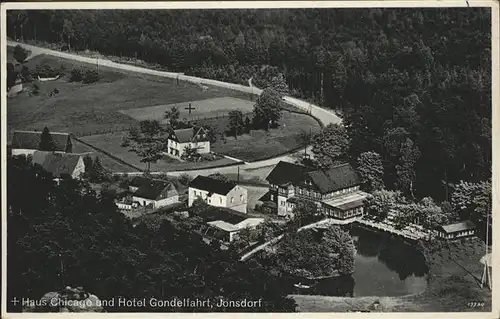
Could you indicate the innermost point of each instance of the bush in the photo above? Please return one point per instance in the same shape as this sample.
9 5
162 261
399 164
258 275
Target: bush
76 75
20 54
91 76
36 87
46 71
185 179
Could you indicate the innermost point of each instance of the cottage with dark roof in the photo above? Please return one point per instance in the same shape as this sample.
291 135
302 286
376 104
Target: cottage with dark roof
197 138
225 224
218 193
457 230
335 190
27 142
60 164
156 193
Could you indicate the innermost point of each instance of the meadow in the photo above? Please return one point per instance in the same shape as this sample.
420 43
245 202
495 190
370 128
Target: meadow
208 108
86 109
111 143
100 113
260 144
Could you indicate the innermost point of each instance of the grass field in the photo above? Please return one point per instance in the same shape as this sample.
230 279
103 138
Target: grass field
208 108
260 144
112 143
106 161
93 108
100 112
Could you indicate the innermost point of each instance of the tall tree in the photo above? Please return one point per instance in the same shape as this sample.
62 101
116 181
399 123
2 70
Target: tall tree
98 173
330 146
308 253
172 115
46 141
268 108
236 124
20 53
149 152
278 83
406 170
371 171
381 203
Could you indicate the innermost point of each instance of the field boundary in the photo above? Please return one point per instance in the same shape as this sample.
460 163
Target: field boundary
107 154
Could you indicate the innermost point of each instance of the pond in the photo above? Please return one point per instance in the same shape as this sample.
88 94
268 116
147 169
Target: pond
384 266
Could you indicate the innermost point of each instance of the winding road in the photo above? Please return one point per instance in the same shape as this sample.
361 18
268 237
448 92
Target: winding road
324 115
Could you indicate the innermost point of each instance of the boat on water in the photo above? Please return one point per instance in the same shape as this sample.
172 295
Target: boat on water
300 285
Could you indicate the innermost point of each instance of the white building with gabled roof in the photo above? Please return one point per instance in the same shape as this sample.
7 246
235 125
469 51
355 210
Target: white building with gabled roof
197 138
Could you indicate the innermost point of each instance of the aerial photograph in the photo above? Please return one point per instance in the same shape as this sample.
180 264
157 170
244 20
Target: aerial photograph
248 160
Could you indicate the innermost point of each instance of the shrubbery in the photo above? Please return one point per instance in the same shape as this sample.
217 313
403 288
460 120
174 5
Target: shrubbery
46 71
86 76
90 76
76 75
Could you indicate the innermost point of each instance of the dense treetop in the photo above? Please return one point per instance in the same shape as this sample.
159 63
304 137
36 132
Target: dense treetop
414 85
67 234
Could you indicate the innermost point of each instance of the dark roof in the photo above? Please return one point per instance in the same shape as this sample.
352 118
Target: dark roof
285 172
138 181
212 185
188 134
462 226
56 163
184 135
266 197
351 205
31 140
154 188
335 178
224 214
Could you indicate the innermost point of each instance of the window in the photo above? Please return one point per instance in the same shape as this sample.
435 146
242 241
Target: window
272 197
220 200
241 198
232 200
282 203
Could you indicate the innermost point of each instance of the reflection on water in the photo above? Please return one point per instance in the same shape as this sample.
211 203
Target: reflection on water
384 266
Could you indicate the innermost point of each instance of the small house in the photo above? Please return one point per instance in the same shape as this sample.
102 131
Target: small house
457 230
197 139
60 164
27 142
225 224
156 193
218 193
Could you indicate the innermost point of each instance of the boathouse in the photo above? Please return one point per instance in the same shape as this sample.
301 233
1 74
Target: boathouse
457 230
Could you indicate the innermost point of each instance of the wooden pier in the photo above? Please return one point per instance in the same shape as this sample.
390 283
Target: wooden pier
413 232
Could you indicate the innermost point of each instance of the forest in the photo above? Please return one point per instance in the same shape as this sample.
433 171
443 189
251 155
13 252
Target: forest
412 85
68 235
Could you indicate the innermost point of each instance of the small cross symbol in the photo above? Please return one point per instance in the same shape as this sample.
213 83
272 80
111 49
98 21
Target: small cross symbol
190 108
15 301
